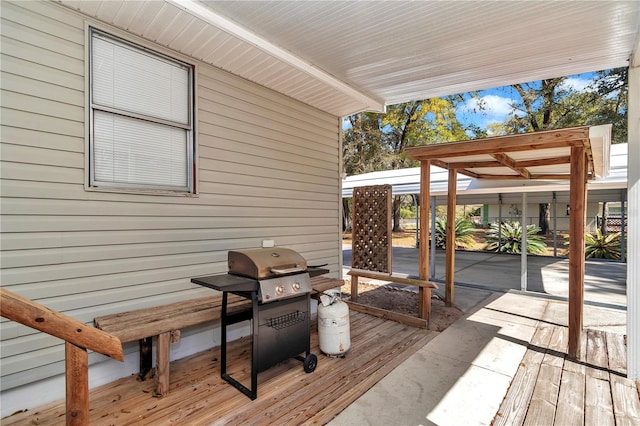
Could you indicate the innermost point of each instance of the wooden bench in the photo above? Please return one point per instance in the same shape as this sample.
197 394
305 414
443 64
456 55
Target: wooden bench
165 322
424 287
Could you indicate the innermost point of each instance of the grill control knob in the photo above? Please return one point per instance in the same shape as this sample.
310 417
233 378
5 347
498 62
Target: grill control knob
296 286
280 289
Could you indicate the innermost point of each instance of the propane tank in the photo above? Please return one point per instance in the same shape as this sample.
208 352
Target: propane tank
333 325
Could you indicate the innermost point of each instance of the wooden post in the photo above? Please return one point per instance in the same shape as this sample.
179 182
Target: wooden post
162 363
354 288
424 294
77 384
451 237
577 218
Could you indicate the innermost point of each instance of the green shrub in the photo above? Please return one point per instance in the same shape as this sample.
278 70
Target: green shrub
602 246
511 237
464 231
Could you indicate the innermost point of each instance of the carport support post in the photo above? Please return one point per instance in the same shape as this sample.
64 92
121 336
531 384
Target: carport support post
451 236
424 294
623 230
555 224
432 260
578 198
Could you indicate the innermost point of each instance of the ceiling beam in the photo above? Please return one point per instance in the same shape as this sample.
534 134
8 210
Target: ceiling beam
510 162
200 11
544 162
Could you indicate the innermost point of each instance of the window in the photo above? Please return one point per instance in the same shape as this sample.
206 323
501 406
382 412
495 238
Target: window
141 127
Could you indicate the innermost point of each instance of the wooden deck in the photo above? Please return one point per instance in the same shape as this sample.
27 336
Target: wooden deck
551 389
286 395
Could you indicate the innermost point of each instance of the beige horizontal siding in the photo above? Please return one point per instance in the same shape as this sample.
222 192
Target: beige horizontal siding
268 168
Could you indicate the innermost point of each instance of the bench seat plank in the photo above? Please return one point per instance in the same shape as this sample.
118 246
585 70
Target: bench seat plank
392 278
141 323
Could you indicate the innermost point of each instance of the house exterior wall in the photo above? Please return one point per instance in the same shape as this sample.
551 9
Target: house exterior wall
268 167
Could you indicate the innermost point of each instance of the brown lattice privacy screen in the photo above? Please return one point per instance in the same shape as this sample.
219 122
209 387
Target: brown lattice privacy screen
371 243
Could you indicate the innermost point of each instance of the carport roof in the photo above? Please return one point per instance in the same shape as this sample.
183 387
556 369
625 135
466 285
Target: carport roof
344 57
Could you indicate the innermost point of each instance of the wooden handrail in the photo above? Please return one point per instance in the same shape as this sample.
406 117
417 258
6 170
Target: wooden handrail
78 338
34 315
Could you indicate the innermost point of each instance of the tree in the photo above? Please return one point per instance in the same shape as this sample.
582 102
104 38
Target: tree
377 141
555 104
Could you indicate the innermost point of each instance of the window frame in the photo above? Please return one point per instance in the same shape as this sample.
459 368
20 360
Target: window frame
189 127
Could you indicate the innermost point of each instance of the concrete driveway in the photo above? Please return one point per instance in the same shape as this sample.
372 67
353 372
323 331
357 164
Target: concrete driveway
605 281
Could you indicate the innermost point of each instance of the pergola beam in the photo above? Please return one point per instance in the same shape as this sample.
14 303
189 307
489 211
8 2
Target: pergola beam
577 136
509 162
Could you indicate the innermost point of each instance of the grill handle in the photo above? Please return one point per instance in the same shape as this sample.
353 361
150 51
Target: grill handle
287 270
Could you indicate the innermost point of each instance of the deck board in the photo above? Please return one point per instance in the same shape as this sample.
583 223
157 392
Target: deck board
286 395
551 388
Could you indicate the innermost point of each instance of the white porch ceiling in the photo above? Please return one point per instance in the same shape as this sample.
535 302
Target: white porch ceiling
348 56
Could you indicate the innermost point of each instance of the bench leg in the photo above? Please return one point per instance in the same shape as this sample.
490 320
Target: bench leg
146 346
162 364
354 288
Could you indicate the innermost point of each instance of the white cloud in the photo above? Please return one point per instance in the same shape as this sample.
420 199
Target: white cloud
496 109
577 84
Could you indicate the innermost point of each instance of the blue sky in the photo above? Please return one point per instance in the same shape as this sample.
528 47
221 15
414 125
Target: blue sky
498 100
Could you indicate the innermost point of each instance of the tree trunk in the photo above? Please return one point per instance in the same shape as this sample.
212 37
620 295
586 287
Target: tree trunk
397 202
605 215
346 215
543 218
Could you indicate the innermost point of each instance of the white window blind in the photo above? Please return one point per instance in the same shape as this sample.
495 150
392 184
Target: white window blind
141 117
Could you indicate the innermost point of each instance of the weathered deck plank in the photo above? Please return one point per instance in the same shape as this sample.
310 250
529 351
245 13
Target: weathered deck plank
514 407
587 391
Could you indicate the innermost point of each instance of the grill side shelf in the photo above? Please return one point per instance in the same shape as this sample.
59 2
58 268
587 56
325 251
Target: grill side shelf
227 282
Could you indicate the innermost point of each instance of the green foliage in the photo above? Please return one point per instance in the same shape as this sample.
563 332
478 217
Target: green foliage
464 230
511 237
602 246
407 212
553 104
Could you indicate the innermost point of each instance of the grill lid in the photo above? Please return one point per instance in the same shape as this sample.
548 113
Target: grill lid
265 262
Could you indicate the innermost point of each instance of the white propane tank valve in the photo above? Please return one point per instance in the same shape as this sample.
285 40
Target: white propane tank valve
333 325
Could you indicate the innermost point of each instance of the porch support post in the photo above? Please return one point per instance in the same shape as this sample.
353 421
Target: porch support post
633 230
451 237
577 187
523 244
424 294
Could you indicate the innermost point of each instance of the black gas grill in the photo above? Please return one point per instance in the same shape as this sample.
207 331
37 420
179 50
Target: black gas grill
277 281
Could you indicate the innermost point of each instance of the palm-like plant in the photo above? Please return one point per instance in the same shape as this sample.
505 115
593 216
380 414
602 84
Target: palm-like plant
464 230
602 246
511 237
